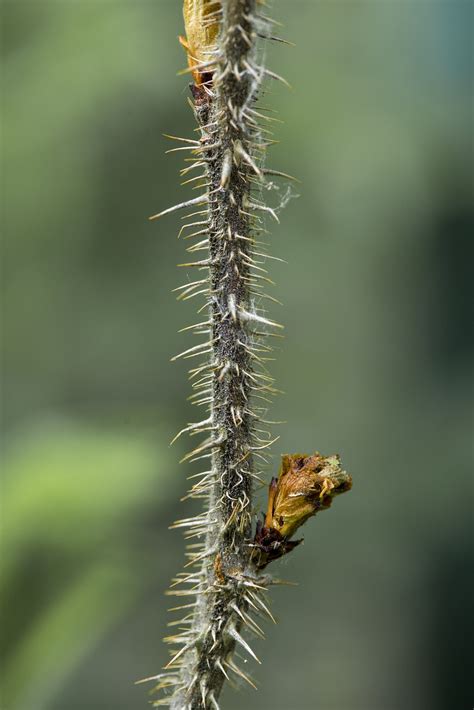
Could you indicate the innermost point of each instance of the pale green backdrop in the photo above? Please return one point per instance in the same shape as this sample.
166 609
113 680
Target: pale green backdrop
375 363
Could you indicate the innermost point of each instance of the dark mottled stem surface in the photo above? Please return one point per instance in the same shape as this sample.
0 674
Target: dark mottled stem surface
225 570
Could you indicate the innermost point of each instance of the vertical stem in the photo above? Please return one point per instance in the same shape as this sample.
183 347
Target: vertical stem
230 245
229 148
224 572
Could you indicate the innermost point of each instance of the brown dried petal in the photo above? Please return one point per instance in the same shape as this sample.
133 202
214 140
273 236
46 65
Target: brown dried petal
306 484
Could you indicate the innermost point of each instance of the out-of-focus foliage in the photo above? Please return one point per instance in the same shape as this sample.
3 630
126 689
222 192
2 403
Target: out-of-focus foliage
375 363
72 499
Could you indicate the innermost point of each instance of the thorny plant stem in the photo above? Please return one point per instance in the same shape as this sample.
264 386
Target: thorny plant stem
223 576
233 381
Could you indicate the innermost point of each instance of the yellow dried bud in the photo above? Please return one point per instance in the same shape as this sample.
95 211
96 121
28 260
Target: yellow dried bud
201 23
305 485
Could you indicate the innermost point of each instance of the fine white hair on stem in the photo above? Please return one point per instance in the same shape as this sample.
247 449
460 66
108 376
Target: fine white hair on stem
232 382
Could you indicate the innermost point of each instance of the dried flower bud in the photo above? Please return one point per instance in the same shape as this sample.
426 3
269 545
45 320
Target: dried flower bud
201 22
305 485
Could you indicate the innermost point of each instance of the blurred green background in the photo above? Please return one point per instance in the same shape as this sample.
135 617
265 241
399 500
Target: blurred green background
375 364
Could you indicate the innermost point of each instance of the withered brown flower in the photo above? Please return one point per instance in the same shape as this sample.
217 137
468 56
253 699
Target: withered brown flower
202 26
306 484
